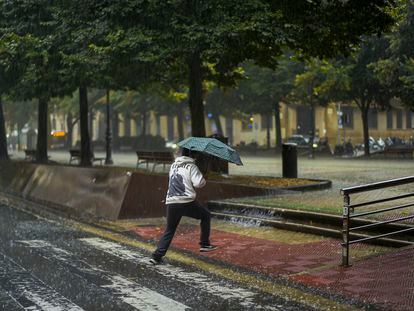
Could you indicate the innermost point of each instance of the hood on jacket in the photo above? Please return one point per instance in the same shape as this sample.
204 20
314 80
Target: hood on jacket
184 159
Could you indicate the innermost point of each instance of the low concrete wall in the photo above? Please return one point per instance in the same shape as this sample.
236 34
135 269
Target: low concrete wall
15 176
105 192
83 192
146 193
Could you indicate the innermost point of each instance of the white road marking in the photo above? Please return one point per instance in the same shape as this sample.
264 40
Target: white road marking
21 284
132 293
238 295
141 297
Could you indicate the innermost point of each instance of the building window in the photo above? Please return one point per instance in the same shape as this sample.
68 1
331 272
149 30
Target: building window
409 118
389 120
399 119
347 117
373 118
266 119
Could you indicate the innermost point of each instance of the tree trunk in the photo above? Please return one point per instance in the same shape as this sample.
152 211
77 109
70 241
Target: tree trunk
90 118
216 118
268 117
108 133
69 125
84 131
195 102
144 123
115 130
312 117
41 148
48 129
3 138
180 121
19 138
364 115
312 133
278 126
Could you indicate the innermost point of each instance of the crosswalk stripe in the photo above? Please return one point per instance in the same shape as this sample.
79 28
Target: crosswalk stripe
242 296
22 287
134 294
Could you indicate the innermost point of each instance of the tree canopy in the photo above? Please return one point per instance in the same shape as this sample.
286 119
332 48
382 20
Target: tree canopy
198 40
50 48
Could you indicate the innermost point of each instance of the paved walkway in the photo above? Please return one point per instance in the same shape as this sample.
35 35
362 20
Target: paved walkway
379 277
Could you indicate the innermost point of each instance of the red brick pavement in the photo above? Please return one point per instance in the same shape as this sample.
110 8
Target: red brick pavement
386 279
270 257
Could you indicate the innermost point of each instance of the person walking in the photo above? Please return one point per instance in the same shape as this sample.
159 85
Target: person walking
184 177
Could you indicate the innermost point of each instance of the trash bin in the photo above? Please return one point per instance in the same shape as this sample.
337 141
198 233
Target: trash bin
290 160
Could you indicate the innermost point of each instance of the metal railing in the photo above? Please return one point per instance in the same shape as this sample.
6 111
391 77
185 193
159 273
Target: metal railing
349 212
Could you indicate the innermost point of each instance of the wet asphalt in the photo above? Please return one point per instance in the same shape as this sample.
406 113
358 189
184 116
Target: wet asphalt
49 265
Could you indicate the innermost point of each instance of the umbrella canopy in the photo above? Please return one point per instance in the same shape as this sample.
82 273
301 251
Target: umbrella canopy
213 147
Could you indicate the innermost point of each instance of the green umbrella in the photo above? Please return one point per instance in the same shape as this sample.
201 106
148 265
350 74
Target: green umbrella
213 147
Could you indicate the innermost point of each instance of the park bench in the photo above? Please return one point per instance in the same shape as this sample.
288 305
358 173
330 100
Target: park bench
75 155
30 154
155 157
404 151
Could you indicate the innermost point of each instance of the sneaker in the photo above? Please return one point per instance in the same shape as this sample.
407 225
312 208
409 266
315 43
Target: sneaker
208 248
155 261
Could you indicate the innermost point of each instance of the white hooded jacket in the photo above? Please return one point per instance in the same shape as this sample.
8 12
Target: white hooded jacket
183 178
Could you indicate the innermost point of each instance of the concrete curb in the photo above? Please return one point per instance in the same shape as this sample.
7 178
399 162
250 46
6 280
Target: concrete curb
320 184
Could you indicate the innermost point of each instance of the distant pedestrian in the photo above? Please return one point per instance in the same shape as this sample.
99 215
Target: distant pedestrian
181 201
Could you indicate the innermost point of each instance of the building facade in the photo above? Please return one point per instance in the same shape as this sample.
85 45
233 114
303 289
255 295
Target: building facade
335 122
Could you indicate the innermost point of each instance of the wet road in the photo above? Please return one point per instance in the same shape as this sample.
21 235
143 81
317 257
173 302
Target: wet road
51 265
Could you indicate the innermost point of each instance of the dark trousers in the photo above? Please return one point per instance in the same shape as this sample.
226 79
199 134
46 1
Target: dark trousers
174 214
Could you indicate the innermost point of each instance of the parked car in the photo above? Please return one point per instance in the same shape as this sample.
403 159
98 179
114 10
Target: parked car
303 141
299 140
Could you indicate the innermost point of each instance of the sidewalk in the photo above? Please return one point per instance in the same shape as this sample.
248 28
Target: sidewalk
379 277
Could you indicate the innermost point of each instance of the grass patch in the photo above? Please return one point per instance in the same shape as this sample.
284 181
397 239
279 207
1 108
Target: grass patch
261 181
296 202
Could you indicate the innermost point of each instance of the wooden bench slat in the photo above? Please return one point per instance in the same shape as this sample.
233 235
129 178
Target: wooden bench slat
155 157
406 150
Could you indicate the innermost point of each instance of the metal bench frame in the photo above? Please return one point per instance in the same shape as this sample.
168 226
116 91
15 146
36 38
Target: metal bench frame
75 155
30 154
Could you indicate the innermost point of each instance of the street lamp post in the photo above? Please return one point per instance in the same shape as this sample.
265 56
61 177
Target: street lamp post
108 159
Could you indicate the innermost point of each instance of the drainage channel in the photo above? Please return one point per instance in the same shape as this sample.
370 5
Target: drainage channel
302 221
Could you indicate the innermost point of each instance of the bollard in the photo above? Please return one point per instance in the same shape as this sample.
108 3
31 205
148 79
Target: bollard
290 160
